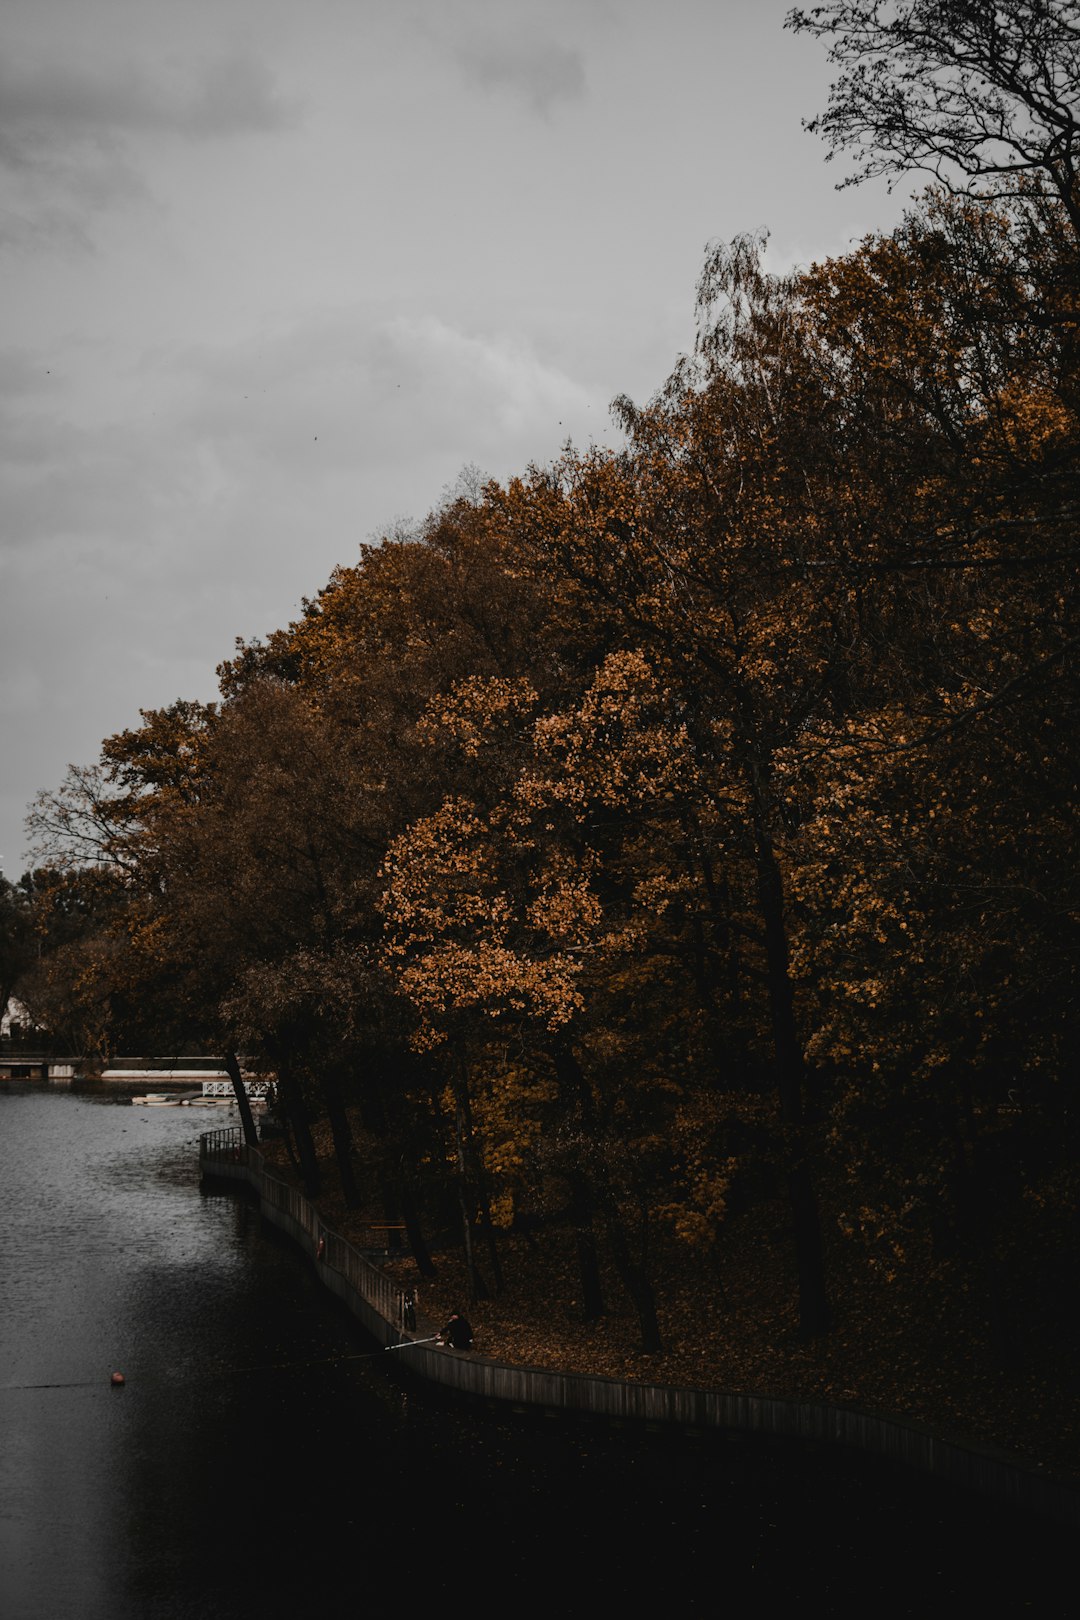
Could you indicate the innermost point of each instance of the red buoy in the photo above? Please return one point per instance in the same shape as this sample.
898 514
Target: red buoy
117 1378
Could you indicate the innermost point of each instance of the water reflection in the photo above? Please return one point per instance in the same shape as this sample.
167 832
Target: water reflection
264 1459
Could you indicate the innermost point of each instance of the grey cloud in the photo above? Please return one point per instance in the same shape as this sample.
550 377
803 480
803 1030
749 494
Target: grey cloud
22 371
544 73
58 103
54 229
136 548
237 96
70 136
355 389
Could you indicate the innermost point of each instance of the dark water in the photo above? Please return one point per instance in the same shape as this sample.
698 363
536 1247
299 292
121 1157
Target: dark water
254 1465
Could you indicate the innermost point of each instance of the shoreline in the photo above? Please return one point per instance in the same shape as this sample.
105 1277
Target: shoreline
376 1300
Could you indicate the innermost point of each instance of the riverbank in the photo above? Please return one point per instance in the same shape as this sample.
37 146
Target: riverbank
734 1328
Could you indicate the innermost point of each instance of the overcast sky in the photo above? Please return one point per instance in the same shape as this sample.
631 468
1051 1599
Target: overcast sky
274 271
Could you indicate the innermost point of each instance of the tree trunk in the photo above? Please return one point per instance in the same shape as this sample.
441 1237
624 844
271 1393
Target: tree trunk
343 1142
573 1090
815 1315
592 1294
472 1169
635 1280
413 1231
247 1119
489 1234
975 1206
477 1287
296 1113
632 1274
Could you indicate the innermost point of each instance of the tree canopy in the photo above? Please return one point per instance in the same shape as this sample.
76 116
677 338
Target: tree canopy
689 825
980 94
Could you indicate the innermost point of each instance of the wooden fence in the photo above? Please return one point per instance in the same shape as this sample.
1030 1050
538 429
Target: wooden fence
379 1305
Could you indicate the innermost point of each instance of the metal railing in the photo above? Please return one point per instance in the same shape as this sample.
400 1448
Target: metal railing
380 1304
225 1153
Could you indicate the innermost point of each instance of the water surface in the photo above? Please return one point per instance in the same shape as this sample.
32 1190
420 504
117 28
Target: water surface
264 1458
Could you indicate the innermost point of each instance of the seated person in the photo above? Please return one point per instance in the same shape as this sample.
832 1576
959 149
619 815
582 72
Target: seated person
457 1333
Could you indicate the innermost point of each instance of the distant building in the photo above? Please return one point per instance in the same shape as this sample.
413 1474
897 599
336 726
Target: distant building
14 1014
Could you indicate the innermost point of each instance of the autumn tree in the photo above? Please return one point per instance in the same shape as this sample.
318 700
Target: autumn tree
982 97
553 903
76 984
17 951
679 539
717 790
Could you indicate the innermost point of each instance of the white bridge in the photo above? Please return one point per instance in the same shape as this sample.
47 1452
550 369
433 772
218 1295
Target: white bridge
224 1088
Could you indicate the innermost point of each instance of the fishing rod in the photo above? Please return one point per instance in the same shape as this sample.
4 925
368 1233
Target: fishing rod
118 1379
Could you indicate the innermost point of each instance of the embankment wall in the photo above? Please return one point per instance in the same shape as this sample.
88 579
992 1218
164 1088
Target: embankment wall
378 1304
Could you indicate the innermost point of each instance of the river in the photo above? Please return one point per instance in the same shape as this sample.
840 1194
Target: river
263 1458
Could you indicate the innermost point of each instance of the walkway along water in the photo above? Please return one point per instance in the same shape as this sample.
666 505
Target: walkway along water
379 1305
